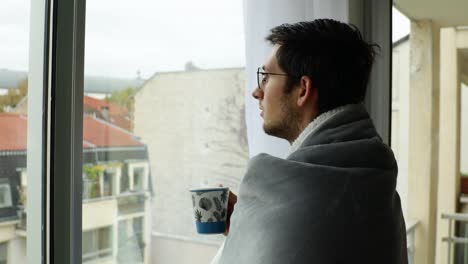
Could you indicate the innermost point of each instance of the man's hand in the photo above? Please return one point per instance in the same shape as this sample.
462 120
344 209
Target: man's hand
232 200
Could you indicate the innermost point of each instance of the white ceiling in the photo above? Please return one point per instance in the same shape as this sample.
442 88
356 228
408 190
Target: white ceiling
446 13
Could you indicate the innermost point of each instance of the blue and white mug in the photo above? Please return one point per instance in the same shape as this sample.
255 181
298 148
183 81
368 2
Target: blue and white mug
210 209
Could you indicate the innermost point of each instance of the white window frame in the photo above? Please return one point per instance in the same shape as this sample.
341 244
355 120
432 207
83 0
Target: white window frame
132 166
95 238
38 119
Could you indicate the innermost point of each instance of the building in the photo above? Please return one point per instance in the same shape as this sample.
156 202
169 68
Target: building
108 111
100 108
12 167
116 192
193 124
432 114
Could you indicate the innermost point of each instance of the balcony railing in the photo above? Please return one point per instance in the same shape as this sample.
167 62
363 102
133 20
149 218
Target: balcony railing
97 256
453 240
410 230
124 195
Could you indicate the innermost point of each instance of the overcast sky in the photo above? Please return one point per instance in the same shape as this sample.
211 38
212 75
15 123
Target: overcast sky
124 37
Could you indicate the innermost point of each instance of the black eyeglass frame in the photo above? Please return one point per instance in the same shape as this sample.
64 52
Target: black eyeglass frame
260 71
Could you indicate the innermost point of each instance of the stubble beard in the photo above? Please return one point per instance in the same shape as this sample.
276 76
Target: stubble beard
288 125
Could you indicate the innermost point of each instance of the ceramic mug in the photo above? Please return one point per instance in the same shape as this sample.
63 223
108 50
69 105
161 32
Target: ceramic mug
210 209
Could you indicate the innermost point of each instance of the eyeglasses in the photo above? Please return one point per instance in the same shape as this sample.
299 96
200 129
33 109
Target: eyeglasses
261 76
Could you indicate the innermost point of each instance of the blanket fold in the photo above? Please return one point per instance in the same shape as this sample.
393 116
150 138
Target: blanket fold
331 201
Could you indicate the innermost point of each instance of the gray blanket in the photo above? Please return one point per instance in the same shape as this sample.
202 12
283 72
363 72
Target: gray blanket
331 201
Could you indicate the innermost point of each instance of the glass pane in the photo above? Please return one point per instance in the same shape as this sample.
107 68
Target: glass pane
108 179
87 241
14 54
163 112
400 109
138 175
97 245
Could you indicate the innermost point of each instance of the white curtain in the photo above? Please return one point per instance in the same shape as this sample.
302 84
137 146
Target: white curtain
259 17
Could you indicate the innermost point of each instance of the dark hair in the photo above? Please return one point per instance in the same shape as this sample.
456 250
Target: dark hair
333 54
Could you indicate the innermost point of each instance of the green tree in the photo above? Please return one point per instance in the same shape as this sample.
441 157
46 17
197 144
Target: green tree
14 95
124 98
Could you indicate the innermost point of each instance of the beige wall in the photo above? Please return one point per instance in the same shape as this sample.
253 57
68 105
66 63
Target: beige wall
193 124
7 231
423 136
449 137
16 246
98 214
17 251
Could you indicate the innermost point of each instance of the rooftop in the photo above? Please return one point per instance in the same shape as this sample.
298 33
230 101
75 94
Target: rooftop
96 133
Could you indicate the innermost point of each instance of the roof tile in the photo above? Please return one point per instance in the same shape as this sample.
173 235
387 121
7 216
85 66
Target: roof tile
96 133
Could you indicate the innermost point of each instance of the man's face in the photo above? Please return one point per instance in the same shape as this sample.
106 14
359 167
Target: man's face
278 108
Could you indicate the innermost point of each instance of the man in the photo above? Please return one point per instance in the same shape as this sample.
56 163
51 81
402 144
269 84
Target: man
333 199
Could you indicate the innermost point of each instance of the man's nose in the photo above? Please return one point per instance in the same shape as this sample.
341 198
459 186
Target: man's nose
257 93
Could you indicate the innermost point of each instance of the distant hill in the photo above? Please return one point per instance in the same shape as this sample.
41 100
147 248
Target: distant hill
92 84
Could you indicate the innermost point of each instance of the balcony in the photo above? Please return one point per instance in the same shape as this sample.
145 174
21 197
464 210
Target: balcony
457 238
410 241
100 256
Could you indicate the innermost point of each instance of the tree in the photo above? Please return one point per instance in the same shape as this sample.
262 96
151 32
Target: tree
14 96
125 98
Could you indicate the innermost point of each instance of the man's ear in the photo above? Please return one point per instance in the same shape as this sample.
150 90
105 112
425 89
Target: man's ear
307 93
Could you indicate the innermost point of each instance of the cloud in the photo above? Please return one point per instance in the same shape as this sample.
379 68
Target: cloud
125 36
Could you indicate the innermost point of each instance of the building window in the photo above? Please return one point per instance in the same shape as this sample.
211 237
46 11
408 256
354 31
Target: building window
99 181
5 195
3 253
131 244
138 178
97 244
124 183
108 183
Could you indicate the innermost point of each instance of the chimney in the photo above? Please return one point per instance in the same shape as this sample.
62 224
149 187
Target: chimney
105 112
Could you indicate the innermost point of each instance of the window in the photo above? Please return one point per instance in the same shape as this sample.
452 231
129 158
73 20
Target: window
97 245
167 104
3 253
5 195
131 244
99 180
138 178
108 180
124 182
137 175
